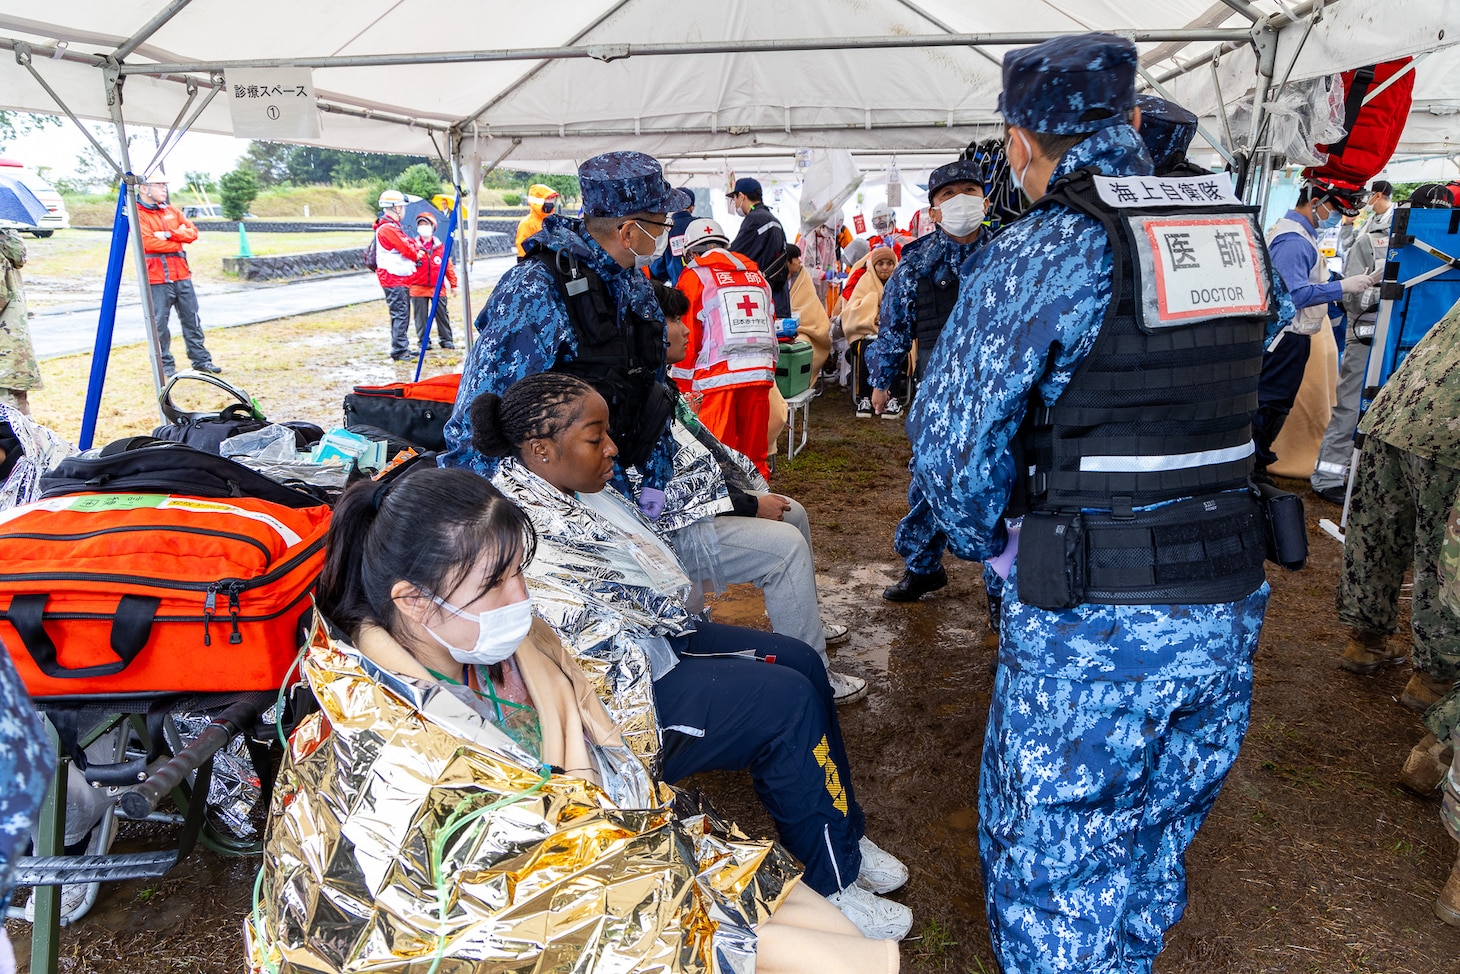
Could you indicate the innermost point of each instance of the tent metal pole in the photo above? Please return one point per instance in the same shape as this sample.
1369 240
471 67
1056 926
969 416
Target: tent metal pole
172 129
919 11
139 256
1264 38
1201 129
165 149
615 52
467 257
532 71
23 58
148 29
1246 9
1275 22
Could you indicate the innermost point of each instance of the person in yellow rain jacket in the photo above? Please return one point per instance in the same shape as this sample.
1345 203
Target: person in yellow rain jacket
541 200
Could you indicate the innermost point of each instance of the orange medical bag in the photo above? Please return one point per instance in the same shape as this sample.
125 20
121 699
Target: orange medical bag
104 594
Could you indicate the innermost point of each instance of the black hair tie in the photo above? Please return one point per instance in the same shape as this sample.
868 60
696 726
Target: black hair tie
377 496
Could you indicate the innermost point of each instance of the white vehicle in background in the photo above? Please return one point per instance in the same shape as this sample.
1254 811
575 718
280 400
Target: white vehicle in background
56 217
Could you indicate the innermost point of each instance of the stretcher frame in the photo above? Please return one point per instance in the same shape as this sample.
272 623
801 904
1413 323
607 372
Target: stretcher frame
1429 238
144 778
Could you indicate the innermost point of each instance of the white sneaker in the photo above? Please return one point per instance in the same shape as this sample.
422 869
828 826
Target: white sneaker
877 918
864 408
846 688
893 410
882 872
835 633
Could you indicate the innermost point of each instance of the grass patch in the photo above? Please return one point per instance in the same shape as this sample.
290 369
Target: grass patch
79 257
297 368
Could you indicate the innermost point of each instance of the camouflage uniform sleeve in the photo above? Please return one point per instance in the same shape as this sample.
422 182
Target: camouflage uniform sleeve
1286 310
1023 323
12 248
887 355
525 329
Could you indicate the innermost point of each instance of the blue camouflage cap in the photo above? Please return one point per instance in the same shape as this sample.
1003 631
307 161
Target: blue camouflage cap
623 183
963 170
1166 128
1070 85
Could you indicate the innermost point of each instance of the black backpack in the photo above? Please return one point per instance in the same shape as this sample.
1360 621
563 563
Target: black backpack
145 465
206 430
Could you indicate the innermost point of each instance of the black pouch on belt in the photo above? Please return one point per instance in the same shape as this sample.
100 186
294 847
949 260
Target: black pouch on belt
1287 531
1052 560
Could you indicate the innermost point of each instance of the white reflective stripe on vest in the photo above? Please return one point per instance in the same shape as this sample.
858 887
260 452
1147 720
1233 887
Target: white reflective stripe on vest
723 380
1174 461
678 373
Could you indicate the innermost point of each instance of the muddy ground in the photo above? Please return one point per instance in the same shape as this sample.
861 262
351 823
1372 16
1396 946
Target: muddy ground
1313 860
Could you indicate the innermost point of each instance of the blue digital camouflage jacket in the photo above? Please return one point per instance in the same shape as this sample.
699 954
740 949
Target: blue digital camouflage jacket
524 328
897 316
1027 315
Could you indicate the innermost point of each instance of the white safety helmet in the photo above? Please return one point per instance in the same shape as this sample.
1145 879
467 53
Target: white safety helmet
389 198
883 217
700 232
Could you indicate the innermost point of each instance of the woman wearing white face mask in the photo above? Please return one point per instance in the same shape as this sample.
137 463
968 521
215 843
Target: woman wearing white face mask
468 782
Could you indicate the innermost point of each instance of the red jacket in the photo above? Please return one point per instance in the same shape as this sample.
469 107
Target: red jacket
165 258
398 258
431 269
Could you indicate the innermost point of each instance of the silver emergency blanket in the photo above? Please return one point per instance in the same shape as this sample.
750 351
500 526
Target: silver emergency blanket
408 833
609 602
43 450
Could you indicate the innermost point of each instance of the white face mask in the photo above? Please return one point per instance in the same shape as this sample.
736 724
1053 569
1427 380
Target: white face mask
423 230
1018 178
961 214
661 244
501 631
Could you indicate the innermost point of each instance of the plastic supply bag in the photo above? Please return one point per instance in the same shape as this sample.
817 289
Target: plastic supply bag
831 179
1306 114
273 442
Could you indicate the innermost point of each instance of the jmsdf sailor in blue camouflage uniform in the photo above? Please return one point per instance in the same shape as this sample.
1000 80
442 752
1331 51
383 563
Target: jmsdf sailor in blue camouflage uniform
578 302
916 302
1114 720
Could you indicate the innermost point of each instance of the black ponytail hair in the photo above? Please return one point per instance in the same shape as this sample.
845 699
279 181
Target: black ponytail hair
536 407
428 527
674 302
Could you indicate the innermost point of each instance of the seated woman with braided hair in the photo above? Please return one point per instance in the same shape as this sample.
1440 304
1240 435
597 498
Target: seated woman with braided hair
692 695
463 800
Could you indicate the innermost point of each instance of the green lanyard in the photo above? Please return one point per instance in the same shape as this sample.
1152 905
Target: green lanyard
491 694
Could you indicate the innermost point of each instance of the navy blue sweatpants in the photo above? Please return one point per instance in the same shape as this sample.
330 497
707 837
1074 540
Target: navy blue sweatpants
746 700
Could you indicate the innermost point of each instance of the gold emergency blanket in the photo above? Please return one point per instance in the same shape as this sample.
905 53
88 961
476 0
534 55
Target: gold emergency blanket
407 833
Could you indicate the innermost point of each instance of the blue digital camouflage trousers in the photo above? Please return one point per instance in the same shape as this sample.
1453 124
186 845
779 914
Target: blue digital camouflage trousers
1091 789
917 538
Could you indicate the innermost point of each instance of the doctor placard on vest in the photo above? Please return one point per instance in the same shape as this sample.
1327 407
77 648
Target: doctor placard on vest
1196 260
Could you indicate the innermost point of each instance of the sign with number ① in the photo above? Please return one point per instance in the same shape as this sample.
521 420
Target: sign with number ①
272 103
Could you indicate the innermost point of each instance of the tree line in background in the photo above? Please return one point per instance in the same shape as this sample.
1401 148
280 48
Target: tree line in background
274 164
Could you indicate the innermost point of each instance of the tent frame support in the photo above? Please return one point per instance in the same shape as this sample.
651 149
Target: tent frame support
114 82
148 29
1212 140
23 58
615 52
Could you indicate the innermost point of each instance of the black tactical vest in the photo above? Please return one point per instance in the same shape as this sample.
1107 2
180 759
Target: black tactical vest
937 293
619 355
1159 409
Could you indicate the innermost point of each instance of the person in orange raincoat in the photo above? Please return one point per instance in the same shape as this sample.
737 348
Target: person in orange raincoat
730 360
164 231
541 200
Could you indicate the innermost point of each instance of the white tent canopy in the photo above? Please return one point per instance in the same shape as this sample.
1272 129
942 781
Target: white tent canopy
747 81
767 94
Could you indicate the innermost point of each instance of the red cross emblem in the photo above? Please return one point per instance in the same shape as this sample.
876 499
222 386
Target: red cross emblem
747 306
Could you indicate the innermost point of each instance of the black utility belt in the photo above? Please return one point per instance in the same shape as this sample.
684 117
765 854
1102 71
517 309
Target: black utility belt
1199 551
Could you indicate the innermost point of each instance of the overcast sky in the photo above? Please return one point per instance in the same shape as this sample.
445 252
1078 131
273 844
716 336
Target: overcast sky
59 147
